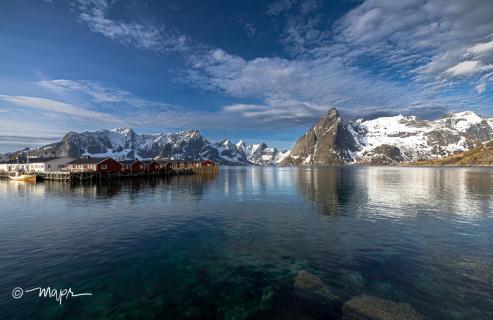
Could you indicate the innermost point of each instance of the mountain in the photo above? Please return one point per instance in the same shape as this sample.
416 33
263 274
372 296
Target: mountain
261 154
124 143
482 155
388 140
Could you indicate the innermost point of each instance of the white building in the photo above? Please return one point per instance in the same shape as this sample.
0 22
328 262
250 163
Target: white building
49 164
37 165
12 165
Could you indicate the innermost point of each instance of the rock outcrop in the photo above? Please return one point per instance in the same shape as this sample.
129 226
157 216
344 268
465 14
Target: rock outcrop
366 307
311 288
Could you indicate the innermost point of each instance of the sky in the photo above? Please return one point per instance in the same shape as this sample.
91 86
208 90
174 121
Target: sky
262 71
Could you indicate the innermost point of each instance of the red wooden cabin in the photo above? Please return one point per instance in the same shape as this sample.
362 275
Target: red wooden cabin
133 166
151 165
94 165
207 163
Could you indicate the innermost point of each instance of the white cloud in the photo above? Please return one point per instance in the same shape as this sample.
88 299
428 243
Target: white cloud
480 88
481 47
465 68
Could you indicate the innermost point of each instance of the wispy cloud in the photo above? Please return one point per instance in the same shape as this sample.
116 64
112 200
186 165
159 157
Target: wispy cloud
99 93
94 13
60 107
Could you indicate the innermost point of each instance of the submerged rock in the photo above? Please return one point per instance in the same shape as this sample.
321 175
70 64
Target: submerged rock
279 313
366 307
311 287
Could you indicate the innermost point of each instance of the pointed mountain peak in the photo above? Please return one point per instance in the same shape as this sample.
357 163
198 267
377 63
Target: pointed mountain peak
191 133
226 142
332 112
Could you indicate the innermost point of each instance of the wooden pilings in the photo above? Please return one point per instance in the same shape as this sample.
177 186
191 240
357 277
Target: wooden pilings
92 176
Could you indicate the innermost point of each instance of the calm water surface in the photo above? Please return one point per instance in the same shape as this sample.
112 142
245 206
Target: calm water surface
228 246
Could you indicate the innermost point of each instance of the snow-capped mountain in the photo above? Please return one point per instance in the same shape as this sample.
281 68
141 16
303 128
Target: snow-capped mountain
124 143
261 153
388 140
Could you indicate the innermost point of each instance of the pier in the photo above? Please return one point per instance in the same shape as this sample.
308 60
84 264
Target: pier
67 176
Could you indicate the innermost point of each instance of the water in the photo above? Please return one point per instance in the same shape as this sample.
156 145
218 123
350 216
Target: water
228 246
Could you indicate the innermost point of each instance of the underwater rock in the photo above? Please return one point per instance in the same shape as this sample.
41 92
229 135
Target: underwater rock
279 313
354 280
309 286
366 307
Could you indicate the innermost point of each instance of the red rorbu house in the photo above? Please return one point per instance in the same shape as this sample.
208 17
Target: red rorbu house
151 166
164 166
133 166
207 163
94 165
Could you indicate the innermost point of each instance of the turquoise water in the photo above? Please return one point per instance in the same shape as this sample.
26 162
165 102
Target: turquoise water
228 246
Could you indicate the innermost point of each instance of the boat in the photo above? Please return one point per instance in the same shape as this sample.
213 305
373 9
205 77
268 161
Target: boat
23 177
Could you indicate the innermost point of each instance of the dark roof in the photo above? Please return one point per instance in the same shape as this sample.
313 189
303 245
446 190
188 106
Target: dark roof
127 162
88 160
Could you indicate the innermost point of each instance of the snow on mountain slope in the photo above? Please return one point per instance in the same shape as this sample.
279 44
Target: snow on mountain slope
388 140
124 143
260 154
415 138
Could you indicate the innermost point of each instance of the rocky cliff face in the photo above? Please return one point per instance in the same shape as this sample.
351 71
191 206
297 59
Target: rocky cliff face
388 140
328 142
124 143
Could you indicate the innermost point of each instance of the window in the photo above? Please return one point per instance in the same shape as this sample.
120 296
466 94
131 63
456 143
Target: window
104 166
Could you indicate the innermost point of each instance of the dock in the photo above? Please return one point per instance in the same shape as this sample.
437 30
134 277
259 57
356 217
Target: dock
92 176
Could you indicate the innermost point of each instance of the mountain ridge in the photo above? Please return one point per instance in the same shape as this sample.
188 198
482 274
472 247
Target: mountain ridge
191 145
334 140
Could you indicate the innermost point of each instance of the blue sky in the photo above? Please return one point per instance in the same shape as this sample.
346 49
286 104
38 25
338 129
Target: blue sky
253 70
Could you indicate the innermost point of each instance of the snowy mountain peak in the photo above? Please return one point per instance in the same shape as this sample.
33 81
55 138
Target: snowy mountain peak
124 143
463 121
124 131
389 140
192 133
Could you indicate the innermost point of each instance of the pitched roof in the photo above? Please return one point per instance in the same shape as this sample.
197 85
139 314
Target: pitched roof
88 160
128 162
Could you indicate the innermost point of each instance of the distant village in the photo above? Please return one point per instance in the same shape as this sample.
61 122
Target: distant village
47 166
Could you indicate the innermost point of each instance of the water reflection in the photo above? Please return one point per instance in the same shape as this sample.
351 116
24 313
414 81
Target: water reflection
396 192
